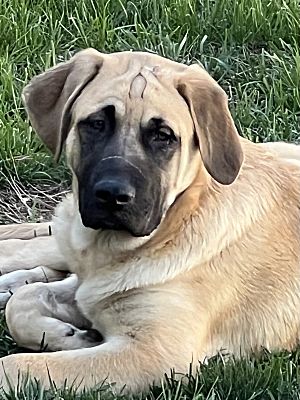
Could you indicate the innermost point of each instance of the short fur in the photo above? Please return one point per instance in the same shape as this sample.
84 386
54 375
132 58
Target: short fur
222 269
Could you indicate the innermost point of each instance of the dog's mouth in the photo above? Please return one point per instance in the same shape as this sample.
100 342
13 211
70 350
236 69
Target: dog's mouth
99 224
133 223
118 227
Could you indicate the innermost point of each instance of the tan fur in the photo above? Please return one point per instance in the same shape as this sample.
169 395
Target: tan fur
288 151
221 272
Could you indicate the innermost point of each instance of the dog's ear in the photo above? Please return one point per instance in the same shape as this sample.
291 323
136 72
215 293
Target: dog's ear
49 97
218 139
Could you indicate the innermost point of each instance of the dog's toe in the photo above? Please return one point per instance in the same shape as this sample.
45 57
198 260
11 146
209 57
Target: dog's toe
75 338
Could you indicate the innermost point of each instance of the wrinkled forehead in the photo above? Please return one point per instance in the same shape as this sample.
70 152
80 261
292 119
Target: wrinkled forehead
138 87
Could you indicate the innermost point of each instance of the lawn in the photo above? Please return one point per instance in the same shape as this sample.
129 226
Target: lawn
250 46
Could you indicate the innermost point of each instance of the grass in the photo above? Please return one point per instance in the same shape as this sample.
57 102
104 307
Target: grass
250 46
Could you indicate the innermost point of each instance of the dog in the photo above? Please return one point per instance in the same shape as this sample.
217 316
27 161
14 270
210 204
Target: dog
182 238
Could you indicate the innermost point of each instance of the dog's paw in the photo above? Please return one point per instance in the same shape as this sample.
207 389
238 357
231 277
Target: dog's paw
69 337
78 339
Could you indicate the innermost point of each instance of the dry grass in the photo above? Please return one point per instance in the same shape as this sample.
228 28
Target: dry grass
29 203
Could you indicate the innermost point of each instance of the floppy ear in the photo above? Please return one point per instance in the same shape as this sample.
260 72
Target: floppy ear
219 141
49 97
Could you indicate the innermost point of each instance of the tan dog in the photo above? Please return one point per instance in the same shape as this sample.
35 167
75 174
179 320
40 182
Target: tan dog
185 238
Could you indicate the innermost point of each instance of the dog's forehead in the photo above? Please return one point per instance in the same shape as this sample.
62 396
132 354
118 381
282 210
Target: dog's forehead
126 79
124 61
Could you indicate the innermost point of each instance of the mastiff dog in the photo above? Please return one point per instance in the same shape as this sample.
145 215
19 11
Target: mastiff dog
180 238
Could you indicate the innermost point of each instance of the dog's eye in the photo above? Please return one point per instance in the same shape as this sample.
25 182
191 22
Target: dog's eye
97 124
164 135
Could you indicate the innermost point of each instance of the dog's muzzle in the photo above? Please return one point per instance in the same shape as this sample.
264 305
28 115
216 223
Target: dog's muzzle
116 195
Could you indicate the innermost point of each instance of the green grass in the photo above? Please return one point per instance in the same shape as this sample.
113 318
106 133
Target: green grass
250 46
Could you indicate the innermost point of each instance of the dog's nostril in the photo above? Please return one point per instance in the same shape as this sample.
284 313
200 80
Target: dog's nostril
123 199
104 196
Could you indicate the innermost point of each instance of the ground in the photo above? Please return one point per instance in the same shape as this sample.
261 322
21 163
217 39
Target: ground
29 202
250 46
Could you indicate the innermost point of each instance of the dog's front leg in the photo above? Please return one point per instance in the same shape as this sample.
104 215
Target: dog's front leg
16 254
26 261
117 361
25 231
124 361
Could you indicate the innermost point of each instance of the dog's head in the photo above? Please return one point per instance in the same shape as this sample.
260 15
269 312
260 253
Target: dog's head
138 129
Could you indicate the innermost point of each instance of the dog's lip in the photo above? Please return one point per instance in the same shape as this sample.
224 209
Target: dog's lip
102 224
110 225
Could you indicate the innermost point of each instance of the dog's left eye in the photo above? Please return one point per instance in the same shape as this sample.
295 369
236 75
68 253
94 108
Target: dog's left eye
97 124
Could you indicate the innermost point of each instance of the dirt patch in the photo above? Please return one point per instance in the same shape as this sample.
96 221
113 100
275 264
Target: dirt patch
29 203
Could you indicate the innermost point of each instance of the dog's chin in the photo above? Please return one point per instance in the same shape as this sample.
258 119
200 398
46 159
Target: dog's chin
109 225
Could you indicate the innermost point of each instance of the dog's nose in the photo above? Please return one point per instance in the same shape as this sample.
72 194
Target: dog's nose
114 192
